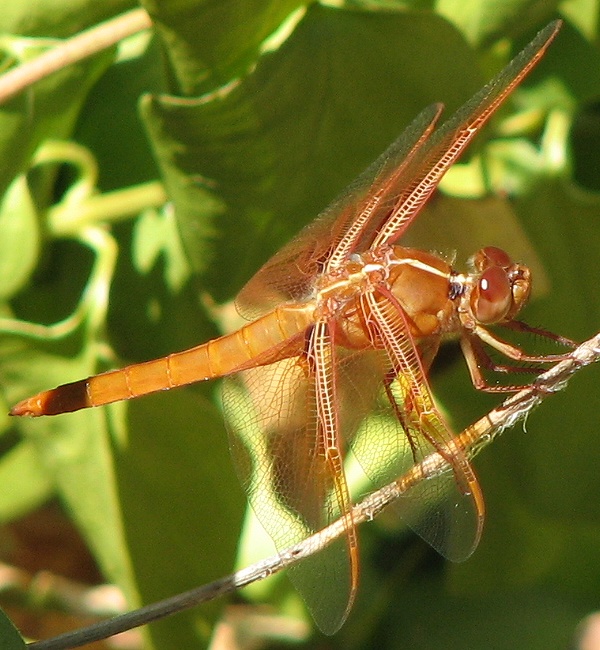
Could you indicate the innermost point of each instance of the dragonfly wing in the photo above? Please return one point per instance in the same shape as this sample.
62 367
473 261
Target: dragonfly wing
280 452
424 171
439 509
378 207
290 273
403 428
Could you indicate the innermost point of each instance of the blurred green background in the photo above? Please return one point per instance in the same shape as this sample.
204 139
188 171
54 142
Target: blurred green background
250 116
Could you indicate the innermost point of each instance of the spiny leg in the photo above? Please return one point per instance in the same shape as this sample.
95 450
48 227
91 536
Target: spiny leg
520 326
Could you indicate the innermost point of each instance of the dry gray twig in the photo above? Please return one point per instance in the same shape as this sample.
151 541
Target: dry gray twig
469 442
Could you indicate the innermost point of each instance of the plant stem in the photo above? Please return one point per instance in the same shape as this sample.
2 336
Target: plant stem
81 46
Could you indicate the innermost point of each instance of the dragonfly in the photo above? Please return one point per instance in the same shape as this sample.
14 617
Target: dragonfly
344 324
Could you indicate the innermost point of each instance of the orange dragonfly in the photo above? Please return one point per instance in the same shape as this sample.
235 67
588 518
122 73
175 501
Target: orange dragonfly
346 324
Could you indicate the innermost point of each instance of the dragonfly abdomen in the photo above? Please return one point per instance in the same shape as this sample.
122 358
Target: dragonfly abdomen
247 347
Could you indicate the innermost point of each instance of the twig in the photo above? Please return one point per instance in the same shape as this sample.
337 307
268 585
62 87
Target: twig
52 591
74 49
469 442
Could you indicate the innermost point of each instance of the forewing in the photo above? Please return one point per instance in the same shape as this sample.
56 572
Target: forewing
378 207
279 454
439 509
425 169
290 273
404 427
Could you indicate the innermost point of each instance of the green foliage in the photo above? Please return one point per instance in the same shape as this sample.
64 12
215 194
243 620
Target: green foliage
10 639
249 139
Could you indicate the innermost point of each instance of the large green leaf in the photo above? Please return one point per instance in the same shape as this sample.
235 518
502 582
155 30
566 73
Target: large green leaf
46 110
278 147
182 509
209 43
75 454
10 639
56 18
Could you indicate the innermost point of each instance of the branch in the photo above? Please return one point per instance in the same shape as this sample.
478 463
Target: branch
469 442
85 44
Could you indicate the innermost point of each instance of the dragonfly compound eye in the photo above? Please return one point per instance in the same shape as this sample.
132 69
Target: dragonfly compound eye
491 298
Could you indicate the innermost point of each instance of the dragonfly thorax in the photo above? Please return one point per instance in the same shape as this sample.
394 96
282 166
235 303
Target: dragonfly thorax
416 281
434 297
336 290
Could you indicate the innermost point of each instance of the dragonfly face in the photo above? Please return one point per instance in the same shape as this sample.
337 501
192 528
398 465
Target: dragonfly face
497 290
500 289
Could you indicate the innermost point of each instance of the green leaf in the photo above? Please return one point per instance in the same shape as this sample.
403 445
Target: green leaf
76 454
182 509
26 483
120 145
20 241
525 618
210 43
256 151
55 18
46 110
10 639
482 21
156 235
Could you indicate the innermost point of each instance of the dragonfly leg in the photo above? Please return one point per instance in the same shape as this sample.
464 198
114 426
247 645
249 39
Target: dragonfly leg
403 414
400 413
514 352
520 326
473 356
477 358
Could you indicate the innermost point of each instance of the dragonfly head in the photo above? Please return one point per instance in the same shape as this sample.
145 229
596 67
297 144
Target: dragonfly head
501 287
